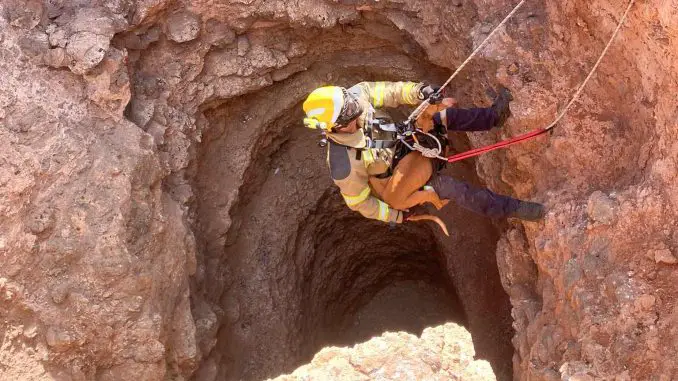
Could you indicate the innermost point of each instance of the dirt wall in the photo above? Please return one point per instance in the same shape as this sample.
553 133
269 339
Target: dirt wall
161 203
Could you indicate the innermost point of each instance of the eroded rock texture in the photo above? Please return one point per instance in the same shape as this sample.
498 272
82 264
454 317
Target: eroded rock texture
166 217
442 353
592 288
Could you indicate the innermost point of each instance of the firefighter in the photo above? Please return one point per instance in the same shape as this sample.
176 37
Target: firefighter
343 114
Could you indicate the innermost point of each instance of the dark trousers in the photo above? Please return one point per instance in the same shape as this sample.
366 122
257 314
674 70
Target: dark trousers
478 200
471 119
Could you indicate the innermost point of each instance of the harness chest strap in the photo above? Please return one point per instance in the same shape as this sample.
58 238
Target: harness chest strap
371 124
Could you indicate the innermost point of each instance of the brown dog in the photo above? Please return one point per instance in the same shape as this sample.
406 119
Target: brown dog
402 190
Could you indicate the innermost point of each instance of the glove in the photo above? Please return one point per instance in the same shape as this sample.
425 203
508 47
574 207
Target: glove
431 93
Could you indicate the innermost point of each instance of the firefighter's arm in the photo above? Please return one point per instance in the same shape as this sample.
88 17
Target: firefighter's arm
355 188
370 206
392 94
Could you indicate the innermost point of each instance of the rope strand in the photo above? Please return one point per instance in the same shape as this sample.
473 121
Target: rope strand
425 103
529 135
595 67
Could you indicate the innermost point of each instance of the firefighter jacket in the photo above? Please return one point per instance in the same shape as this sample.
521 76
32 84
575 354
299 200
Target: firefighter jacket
351 162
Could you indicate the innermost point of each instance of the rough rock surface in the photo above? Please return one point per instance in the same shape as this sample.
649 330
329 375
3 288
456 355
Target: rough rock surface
441 353
165 217
590 297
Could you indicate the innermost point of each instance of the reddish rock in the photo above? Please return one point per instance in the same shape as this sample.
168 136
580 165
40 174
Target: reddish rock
204 238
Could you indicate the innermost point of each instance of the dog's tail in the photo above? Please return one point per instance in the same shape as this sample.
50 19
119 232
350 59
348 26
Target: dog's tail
428 217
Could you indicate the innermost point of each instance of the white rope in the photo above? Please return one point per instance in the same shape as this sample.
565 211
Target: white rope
431 153
600 59
425 103
435 153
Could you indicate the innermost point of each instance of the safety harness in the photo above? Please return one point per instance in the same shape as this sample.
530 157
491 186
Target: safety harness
404 138
381 133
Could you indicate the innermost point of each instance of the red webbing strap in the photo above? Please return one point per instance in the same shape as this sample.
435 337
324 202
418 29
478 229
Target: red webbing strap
502 144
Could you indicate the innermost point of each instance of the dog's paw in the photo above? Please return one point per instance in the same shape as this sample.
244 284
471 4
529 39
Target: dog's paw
439 204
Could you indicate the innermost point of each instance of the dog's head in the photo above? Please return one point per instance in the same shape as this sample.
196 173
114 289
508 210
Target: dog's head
425 120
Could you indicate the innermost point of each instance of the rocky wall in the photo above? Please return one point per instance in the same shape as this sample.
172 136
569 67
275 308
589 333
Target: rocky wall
136 135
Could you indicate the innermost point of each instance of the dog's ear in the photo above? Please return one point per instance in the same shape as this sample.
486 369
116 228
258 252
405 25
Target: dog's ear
425 119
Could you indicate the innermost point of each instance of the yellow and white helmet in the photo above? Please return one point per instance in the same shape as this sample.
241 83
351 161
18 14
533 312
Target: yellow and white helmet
323 107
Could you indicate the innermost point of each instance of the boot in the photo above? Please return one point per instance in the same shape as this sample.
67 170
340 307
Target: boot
529 211
501 106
